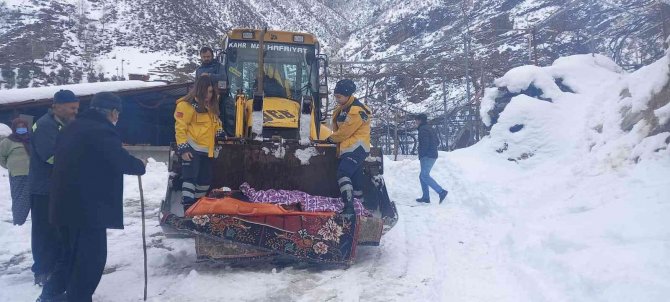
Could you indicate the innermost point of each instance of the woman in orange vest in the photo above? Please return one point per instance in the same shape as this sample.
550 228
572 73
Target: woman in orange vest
197 125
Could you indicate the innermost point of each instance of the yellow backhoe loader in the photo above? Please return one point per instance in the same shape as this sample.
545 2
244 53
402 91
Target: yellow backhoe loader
274 106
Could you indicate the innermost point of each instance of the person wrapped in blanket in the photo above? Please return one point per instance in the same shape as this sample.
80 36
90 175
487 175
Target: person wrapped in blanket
197 126
308 203
351 133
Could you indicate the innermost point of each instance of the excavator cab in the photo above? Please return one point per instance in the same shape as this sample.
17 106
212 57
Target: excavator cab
273 114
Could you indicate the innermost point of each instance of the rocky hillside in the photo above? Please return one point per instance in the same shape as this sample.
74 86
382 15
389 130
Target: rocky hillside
63 41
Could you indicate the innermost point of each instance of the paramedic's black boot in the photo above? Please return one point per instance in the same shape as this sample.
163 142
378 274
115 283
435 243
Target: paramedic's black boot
349 208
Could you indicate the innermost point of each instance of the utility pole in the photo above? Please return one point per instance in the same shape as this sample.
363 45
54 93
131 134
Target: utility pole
388 125
533 33
530 45
466 15
446 121
122 61
661 9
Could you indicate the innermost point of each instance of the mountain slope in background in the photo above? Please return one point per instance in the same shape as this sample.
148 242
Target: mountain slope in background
63 41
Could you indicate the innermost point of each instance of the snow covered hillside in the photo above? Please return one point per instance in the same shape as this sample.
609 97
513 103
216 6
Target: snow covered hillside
567 200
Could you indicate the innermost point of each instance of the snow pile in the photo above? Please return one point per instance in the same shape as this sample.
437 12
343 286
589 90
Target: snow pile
583 74
38 93
580 179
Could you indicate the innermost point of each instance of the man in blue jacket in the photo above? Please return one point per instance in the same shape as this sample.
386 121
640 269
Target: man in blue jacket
210 67
44 241
428 144
217 72
87 197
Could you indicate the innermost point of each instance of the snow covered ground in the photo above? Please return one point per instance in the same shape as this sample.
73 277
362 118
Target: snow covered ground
569 208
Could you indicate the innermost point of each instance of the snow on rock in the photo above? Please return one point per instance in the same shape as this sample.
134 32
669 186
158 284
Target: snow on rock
584 74
38 93
663 114
646 82
521 78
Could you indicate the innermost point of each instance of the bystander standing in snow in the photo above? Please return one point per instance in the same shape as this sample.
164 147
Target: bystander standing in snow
44 243
87 197
427 156
351 133
14 156
197 125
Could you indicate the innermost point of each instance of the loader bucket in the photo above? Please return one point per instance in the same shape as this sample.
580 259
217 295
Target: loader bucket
284 165
288 166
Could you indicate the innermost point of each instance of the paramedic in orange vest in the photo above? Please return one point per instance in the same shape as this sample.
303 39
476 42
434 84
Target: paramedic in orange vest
351 133
197 125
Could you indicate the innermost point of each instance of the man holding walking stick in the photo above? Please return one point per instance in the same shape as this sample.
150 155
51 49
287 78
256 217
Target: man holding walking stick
87 197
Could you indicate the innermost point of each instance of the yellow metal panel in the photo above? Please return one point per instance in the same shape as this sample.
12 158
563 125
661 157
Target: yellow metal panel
280 113
324 133
239 115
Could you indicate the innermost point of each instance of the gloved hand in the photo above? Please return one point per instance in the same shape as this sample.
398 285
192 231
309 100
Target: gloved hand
221 135
330 140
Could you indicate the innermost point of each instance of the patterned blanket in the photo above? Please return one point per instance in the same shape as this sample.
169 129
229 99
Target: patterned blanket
308 203
315 239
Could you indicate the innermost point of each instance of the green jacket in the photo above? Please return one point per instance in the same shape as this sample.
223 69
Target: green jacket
13 157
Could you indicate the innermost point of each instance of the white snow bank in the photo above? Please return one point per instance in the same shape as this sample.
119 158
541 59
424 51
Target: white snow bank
585 74
585 217
622 116
647 81
38 93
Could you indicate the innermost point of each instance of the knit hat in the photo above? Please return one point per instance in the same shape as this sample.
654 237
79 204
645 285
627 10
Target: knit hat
65 96
345 87
106 100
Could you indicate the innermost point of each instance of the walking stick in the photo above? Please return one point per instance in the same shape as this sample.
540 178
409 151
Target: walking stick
144 240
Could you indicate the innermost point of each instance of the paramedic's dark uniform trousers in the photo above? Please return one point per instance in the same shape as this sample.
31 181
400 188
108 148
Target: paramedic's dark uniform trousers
350 175
197 177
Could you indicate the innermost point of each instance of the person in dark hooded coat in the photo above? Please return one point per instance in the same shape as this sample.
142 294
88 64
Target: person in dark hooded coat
87 197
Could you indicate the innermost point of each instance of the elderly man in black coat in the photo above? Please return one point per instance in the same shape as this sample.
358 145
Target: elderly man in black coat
87 197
